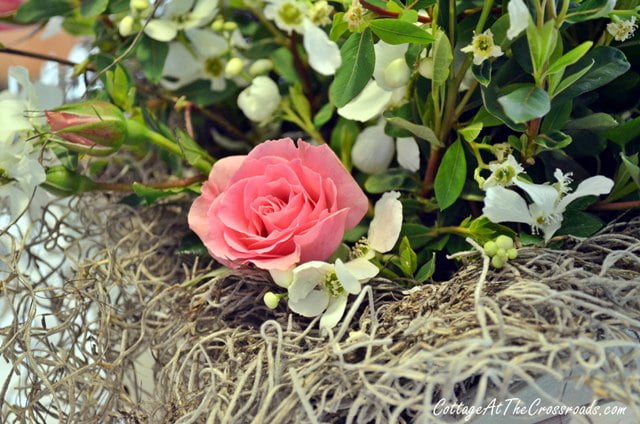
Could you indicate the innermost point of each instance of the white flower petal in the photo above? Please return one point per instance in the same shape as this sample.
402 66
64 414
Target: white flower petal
283 278
178 8
306 277
370 103
549 229
312 305
518 18
502 205
349 281
260 100
593 186
362 269
180 68
408 153
385 55
544 196
324 54
373 150
385 227
12 118
203 12
161 30
206 42
334 312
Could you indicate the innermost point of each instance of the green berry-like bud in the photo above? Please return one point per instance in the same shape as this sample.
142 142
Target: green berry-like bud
64 182
512 253
504 242
271 300
498 261
490 248
501 253
234 67
140 5
217 25
230 26
260 67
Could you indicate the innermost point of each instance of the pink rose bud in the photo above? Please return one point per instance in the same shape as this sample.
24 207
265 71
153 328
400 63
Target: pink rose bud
9 7
279 206
93 127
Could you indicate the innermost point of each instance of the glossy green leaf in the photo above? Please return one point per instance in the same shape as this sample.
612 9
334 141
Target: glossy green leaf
451 174
594 122
482 72
555 140
589 9
426 271
151 195
343 137
625 132
283 65
442 58
152 54
541 43
395 31
418 234
35 10
324 115
92 8
579 224
408 260
569 58
358 60
525 103
420 131
393 179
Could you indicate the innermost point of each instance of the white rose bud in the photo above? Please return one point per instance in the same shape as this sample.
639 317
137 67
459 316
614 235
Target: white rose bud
425 68
260 100
234 67
260 66
126 26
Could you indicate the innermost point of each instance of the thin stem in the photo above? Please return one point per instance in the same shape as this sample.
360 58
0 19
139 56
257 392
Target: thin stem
618 206
484 15
301 69
40 56
127 188
432 169
466 98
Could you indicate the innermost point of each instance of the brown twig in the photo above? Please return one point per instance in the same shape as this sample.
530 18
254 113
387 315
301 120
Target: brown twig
40 56
432 169
127 188
388 13
301 68
617 206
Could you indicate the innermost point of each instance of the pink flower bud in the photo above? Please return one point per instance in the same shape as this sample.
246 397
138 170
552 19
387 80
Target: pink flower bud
9 7
94 127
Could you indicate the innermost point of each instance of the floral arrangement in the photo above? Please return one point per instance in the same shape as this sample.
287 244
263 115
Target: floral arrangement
421 127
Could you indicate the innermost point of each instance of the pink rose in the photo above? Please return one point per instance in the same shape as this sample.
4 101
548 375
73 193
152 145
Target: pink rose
8 7
278 206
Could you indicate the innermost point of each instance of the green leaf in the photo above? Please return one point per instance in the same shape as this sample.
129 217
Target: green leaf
152 54
525 103
442 58
557 85
490 96
579 224
395 31
418 234
569 58
283 65
408 260
91 8
338 27
409 15
624 132
420 131
594 122
358 60
528 240
541 43
557 117
300 103
482 72
35 10
192 246
471 132
631 166
343 137
608 64
555 140
190 149
483 230
324 115
426 271
451 174
589 9
393 179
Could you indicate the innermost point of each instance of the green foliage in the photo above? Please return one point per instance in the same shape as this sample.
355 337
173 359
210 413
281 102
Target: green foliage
358 60
451 175
396 31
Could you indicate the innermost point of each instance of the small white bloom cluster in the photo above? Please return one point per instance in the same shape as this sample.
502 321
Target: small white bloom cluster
320 288
622 30
549 202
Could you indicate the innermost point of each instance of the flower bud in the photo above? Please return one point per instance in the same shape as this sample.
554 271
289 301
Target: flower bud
504 242
502 254
260 66
425 68
230 26
217 25
93 127
512 253
234 67
498 261
139 5
260 100
64 182
271 300
126 26
490 248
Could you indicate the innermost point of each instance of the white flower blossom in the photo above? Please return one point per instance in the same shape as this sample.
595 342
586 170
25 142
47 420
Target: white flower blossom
289 15
320 288
180 15
483 47
503 173
549 203
622 30
20 174
519 18
260 100
373 151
